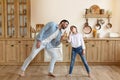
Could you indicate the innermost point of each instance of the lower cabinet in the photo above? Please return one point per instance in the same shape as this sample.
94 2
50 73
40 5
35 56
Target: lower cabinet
12 52
93 49
66 52
25 48
107 51
117 51
2 52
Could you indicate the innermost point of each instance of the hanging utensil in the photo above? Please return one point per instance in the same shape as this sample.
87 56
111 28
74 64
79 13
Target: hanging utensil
98 26
109 25
87 29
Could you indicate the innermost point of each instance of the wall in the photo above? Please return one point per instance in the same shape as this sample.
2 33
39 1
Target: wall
43 11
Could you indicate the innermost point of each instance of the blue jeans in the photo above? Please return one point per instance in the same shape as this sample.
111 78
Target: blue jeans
79 51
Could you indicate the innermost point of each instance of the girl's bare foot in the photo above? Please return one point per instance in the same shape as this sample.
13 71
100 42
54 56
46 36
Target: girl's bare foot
89 75
68 75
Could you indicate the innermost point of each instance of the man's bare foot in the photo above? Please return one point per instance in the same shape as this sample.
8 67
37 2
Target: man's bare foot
21 73
51 74
68 75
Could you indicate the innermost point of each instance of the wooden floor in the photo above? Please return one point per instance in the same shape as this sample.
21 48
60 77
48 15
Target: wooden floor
79 73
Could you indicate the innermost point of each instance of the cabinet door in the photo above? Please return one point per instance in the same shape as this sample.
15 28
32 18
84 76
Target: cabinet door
24 18
12 52
1 19
11 18
2 51
66 52
17 18
93 51
23 46
117 51
107 51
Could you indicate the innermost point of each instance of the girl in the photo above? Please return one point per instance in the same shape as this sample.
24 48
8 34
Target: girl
78 47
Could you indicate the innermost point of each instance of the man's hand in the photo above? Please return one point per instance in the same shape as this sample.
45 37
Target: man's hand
38 44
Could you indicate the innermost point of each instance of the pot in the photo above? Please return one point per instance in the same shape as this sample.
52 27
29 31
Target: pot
87 29
97 26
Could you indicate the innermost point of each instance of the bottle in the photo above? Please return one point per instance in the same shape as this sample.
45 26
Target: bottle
94 33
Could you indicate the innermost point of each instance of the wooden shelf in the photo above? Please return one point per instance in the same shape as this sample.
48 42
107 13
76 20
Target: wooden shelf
96 16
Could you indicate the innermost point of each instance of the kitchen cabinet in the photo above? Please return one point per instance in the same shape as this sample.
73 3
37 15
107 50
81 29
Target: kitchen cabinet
107 51
117 51
1 18
12 52
93 50
66 52
2 51
24 50
17 18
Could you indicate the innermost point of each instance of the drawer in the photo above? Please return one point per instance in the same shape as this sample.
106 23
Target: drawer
11 42
30 42
21 42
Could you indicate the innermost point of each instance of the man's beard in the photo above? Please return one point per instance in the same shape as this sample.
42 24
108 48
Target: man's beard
63 27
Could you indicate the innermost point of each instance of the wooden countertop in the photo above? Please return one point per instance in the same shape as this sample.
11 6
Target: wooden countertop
101 38
4 39
95 39
62 41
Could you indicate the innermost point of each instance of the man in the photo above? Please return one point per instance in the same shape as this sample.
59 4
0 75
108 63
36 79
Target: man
49 37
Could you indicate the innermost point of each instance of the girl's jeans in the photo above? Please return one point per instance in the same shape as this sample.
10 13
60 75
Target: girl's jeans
79 51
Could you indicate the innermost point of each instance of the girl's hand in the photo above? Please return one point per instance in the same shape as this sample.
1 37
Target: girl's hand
70 32
83 53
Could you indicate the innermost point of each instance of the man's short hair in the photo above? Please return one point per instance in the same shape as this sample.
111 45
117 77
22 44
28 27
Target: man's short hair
64 21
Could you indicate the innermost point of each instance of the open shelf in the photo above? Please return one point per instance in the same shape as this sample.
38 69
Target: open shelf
96 16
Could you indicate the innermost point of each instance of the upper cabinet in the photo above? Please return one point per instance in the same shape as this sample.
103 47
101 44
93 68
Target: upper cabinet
17 18
1 18
24 18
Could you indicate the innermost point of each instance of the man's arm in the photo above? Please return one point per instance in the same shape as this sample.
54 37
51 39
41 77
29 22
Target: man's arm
41 33
44 29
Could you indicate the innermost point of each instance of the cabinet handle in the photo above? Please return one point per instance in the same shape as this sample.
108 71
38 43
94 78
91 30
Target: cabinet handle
107 41
93 45
26 45
19 41
12 45
10 36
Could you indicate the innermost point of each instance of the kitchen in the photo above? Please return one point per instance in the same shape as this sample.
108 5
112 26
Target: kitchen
102 50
